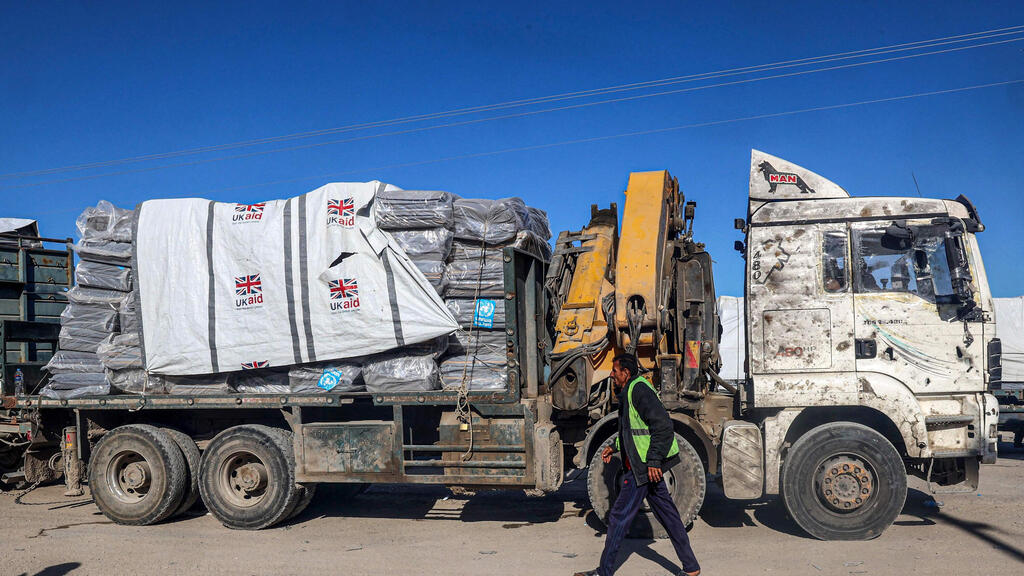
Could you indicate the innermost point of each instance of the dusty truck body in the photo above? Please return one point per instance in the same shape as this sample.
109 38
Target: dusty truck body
870 351
841 402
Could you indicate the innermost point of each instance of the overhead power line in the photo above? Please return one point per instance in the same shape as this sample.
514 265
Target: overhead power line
509 116
620 135
923 44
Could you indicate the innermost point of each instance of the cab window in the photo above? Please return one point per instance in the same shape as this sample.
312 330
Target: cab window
834 262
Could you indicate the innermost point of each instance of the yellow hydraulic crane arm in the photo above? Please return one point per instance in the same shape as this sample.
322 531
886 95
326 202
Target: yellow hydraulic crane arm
643 273
646 289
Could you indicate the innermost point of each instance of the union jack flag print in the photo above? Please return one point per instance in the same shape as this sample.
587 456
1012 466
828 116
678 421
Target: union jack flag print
342 208
249 285
343 288
255 364
255 208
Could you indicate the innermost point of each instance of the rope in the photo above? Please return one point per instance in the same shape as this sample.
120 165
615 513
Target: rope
463 409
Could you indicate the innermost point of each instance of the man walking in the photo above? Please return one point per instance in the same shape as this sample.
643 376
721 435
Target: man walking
648 447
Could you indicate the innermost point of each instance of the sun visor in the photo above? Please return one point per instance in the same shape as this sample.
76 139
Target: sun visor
772 178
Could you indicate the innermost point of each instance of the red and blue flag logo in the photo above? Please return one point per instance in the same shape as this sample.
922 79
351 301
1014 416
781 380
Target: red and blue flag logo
248 285
255 364
342 208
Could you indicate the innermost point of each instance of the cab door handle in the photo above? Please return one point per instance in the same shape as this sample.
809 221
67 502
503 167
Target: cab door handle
865 348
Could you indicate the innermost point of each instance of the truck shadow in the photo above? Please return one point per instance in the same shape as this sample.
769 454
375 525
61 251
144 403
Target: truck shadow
1007 451
514 508
720 512
922 505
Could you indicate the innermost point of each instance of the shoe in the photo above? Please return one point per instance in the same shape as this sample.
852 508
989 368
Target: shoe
684 573
588 573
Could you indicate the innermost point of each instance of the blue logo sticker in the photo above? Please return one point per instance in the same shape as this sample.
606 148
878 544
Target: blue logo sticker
329 379
483 316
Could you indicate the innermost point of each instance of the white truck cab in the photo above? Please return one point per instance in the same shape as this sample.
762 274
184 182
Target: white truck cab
870 347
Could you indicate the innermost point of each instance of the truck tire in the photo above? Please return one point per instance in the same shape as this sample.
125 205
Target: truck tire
843 481
137 475
306 492
686 482
247 477
192 456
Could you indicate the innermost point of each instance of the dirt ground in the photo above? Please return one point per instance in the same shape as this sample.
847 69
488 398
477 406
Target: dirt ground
427 530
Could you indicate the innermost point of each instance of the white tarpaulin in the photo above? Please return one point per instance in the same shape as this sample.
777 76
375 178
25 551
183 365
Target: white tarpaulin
226 287
1010 331
733 347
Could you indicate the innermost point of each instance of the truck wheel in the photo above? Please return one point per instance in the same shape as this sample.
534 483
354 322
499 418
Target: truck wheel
247 477
1018 436
843 481
137 475
306 492
192 456
686 483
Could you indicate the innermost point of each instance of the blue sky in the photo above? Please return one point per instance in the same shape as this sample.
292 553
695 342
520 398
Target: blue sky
90 82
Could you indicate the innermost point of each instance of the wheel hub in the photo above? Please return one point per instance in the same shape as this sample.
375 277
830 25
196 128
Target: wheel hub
251 477
135 475
845 483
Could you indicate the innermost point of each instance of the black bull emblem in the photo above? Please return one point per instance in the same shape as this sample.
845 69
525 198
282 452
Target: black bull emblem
773 177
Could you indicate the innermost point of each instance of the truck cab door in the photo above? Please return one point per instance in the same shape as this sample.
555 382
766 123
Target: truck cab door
910 321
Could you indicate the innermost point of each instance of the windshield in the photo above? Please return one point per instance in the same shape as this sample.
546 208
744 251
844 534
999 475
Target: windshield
915 265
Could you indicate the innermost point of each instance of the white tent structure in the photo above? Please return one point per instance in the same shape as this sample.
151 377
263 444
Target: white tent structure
733 347
1010 330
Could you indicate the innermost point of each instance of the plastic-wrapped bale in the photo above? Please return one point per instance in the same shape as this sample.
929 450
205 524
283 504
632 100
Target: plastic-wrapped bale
479 356
464 310
94 316
435 271
427 244
435 347
84 295
411 209
474 271
198 384
103 276
322 377
262 381
120 351
482 371
76 385
530 242
400 372
70 361
80 339
489 221
538 223
128 312
136 381
104 252
106 222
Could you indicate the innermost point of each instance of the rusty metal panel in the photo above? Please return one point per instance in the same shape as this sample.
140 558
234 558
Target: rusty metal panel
362 447
486 432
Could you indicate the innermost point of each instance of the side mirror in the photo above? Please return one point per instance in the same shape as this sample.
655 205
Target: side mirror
739 246
739 224
960 270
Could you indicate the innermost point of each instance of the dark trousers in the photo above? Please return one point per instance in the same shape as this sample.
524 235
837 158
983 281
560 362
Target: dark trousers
624 511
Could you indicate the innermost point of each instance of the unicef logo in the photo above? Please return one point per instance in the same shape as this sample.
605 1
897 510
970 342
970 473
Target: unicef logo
329 379
486 308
